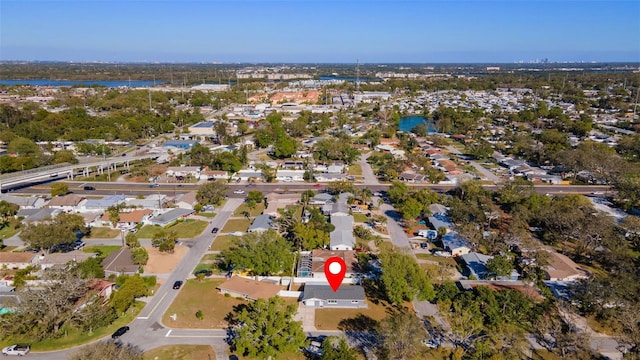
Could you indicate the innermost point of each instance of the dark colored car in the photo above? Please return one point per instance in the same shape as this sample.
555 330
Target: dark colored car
89 187
120 332
206 272
177 284
214 230
424 245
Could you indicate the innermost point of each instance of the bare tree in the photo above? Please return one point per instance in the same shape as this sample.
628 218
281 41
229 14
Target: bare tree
107 350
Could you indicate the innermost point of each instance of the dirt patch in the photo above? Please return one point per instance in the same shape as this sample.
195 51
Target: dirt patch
163 263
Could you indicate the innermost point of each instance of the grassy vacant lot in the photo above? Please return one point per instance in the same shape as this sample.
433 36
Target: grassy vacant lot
355 169
207 214
189 228
439 259
147 231
255 212
103 233
223 242
200 295
234 225
183 352
102 250
74 337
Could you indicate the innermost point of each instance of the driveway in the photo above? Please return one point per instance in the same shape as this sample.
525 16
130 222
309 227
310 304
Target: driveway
368 176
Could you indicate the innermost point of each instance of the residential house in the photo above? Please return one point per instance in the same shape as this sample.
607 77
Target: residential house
104 203
322 296
325 177
277 201
261 223
186 200
290 175
183 171
321 199
17 260
412 177
337 167
25 202
91 219
320 256
477 265
129 219
561 268
214 175
170 217
36 216
249 289
181 144
455 244
249 175
439 220
101 288
120 262
341 238
66 203
60 260
153 201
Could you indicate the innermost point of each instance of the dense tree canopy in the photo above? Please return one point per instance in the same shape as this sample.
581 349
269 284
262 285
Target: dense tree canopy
263 253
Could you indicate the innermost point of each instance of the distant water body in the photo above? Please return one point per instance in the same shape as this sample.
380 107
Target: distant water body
408 123
106 83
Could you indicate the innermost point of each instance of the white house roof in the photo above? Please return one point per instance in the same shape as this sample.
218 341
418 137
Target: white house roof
343 233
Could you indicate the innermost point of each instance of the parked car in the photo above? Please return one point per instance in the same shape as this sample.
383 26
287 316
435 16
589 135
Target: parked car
239 191
120 332
78 244
16 350
206 272
153 186
215 230
177 284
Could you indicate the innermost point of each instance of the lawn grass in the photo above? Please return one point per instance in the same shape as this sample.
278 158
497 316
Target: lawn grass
147 231
347 319
103 233
540 354
189 228
75 337
8 248
234 225
360 218
200 295
183 352
255 212
223 242
207 214
355 169
10 229
102 250
440 259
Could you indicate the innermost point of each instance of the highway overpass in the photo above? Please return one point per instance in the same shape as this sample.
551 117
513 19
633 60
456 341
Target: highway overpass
41 174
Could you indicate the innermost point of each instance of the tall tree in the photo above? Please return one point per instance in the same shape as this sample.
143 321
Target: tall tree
212 193
403 279
267 329
402 335
107 350
264 253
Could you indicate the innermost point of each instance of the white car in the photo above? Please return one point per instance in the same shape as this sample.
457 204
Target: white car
239 191
16 350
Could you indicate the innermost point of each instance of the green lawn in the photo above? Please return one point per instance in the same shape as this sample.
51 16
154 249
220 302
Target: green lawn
200 295
103 233
255 212
7 248
440 259
11 229
74 337
183 352
355 169
223 242
189 228
103 250
234 225
360 218
207 214
147 231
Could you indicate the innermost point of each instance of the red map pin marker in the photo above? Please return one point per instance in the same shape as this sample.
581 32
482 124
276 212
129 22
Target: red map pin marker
334 270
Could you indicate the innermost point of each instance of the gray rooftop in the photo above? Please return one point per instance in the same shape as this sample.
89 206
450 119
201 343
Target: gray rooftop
172 215
324 292
261 222
105 202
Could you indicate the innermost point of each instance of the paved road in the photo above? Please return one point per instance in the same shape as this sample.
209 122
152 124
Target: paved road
147 330
369 177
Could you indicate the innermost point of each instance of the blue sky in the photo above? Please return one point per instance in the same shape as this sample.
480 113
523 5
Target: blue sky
320 31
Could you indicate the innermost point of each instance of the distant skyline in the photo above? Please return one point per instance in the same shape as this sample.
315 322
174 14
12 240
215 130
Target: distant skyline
370 31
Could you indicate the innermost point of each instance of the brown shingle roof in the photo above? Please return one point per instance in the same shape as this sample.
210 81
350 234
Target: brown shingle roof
249 289
120 261
16 257
134 216
66 200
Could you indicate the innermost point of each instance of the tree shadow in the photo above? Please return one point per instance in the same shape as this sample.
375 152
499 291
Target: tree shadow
374 291
360 323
